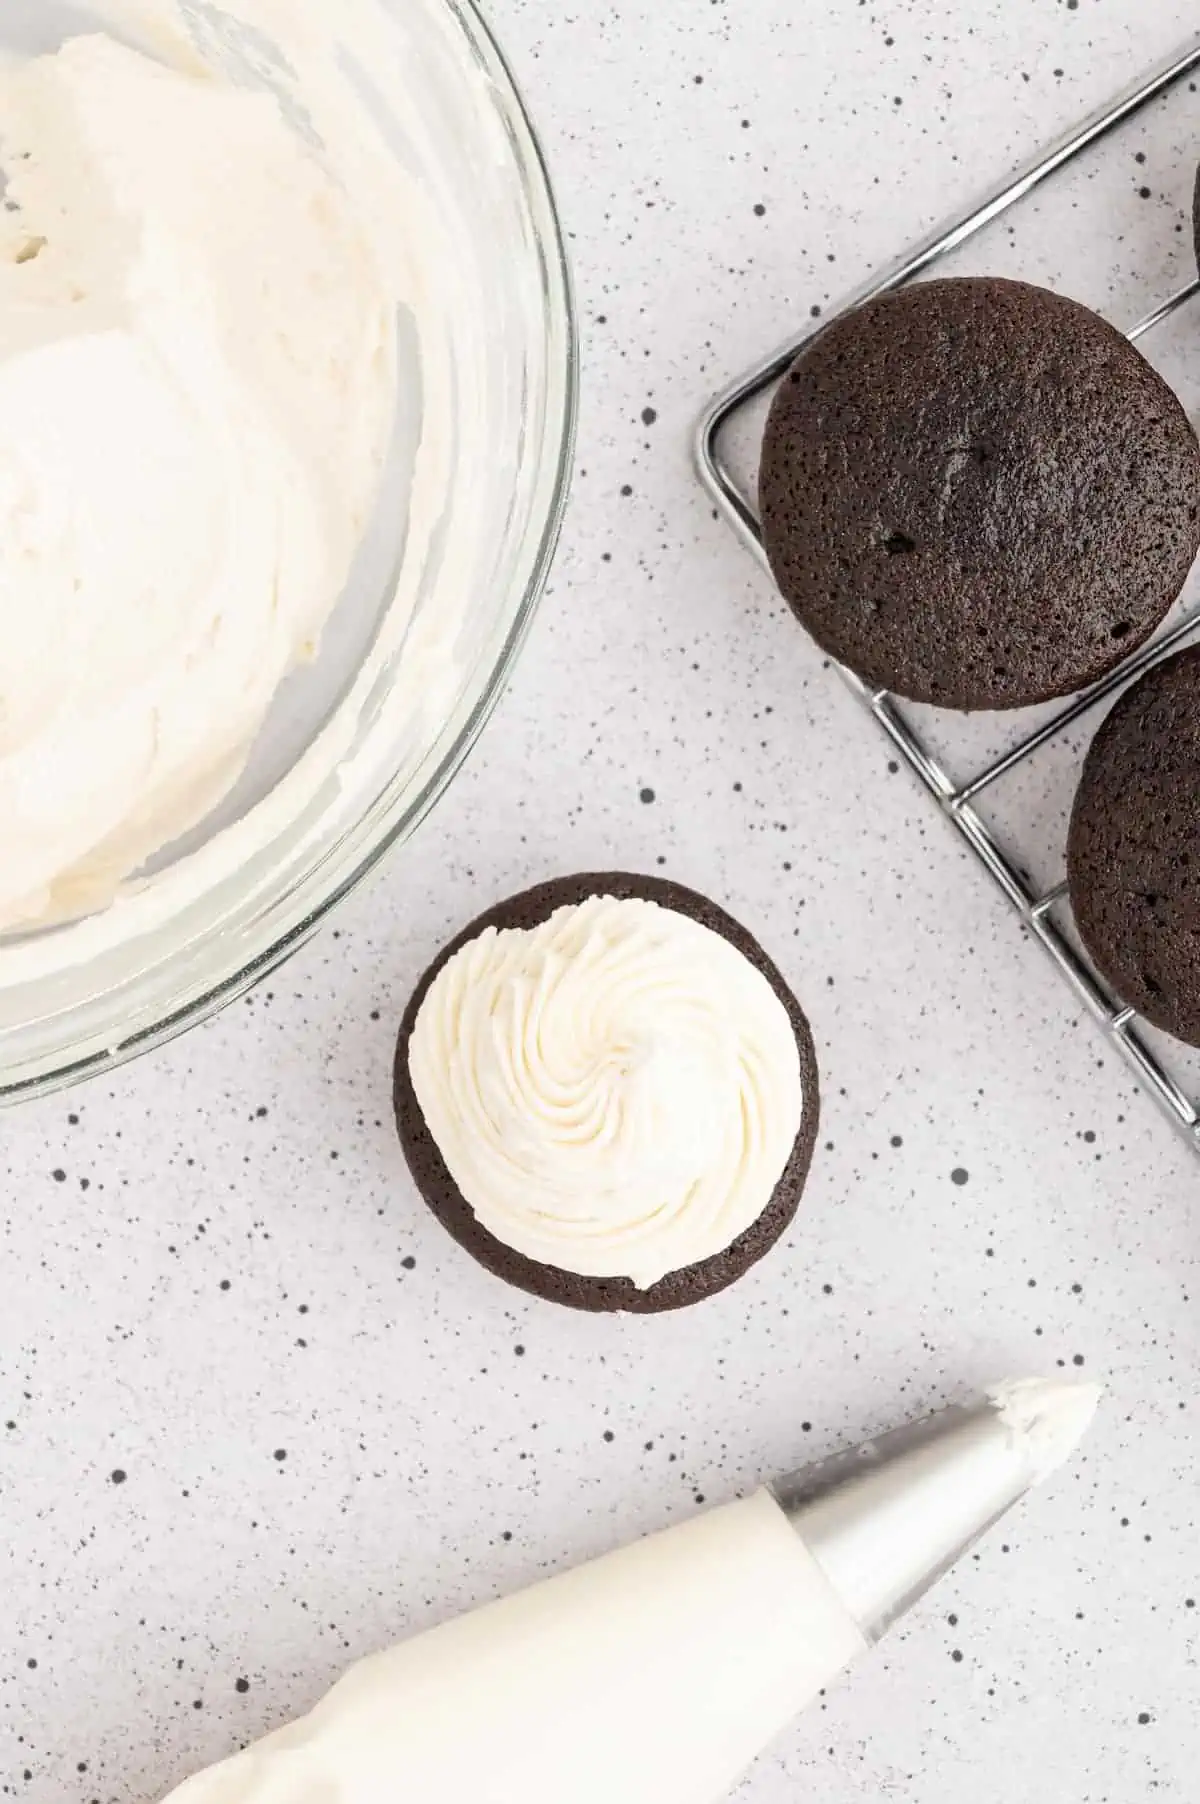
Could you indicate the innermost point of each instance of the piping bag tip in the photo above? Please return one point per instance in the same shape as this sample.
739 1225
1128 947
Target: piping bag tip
889 1519
1047 1418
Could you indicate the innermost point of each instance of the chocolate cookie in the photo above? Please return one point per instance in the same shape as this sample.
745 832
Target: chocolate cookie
678 1289
978 494
1134 848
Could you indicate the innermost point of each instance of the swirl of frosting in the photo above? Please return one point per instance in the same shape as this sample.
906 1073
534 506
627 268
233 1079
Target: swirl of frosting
615 1092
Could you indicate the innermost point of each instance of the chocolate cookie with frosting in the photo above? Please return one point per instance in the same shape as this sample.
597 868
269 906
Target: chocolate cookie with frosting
608 1094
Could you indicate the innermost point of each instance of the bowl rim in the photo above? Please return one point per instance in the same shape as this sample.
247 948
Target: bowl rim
402 820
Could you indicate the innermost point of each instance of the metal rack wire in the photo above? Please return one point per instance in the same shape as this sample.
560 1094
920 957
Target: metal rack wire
1044 912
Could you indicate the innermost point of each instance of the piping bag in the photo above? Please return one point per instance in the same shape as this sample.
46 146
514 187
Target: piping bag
657 1674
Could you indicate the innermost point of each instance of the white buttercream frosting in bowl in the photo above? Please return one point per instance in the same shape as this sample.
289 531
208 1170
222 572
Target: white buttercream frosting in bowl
195 403
287 377
615 1093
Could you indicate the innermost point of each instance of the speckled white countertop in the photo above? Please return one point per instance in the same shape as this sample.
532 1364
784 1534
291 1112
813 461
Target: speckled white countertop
258 1416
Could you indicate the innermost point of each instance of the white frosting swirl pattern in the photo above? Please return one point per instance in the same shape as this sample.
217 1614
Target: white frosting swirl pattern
615 1092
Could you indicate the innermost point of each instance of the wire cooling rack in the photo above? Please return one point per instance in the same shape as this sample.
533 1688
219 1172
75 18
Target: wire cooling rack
1169 1074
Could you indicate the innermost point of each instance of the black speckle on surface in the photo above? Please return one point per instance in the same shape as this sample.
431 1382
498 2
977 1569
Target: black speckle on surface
646 796
242 1685
409 1264
649 415
1143 1717
280 1454
118 1477
959 1175
759 209
59 1175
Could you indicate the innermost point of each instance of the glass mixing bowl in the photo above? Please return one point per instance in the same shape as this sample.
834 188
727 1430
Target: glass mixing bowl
361 744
